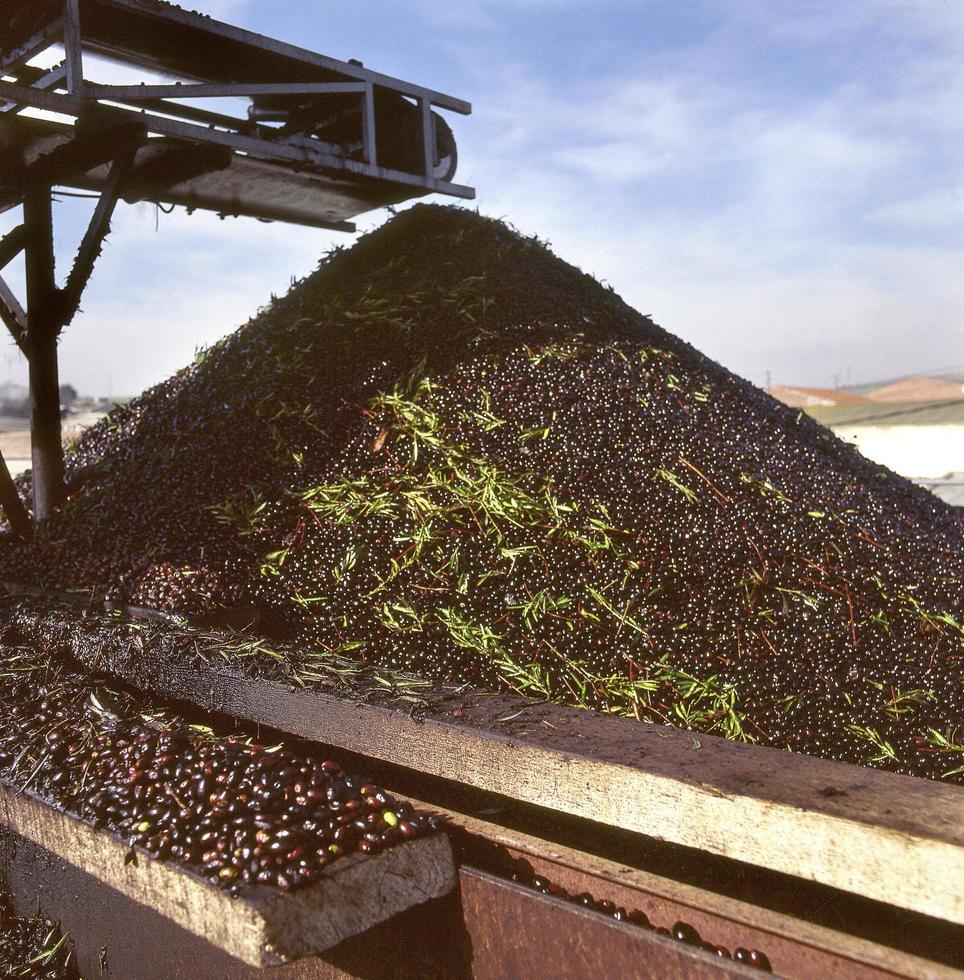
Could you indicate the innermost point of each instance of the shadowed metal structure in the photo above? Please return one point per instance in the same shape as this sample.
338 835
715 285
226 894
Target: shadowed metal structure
249 126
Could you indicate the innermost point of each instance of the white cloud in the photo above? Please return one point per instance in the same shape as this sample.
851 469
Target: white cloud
940 209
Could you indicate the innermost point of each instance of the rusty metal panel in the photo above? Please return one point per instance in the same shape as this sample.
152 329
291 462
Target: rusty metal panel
515 932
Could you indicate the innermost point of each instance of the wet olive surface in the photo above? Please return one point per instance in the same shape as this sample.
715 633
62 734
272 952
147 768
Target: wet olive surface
34 948
234 811
452 455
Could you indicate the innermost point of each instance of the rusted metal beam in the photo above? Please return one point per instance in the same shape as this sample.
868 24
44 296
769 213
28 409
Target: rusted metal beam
11 503
93 240
516 932
794 945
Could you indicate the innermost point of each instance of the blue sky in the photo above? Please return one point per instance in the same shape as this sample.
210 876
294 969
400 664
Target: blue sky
780 183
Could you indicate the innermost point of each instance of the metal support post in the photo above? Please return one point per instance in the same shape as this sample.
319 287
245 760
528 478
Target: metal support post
41 347
72 47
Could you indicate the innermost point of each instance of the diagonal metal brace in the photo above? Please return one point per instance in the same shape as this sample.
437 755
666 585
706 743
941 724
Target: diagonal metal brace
13 315
11 504
93 242
12 244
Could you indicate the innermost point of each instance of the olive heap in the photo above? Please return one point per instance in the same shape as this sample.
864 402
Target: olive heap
235 812
449 453
681 931
33 948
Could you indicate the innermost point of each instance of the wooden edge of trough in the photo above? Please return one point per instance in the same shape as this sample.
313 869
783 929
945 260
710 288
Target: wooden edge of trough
890 838
261 926
813 950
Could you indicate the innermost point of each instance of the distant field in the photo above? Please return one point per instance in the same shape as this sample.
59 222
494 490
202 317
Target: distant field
15 437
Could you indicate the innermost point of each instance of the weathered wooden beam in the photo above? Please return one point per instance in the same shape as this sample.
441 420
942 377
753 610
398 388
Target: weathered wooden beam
11 504
93 240
262 926
893 839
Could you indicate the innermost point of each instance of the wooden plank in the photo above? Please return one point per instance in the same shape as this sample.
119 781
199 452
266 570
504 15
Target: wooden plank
262 926
794 946
893 839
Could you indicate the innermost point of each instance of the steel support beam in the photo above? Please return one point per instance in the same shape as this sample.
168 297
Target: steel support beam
43 81
237 90
72 46
93 240
13 315
293 150
11 504
368 127
52 33
428 139
12 244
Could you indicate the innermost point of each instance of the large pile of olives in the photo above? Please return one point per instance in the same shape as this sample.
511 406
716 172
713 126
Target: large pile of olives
450 453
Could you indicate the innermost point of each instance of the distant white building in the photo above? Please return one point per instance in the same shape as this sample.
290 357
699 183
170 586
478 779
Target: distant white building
923 441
